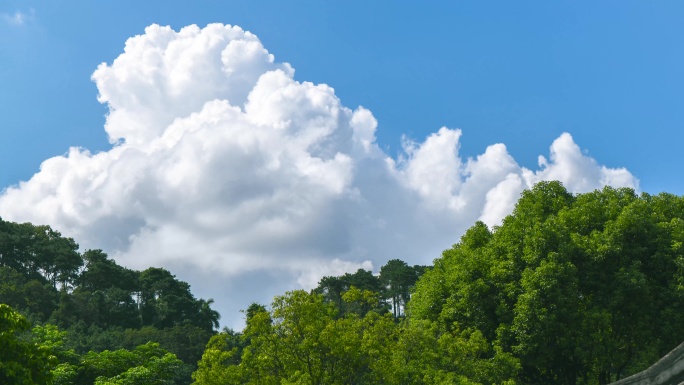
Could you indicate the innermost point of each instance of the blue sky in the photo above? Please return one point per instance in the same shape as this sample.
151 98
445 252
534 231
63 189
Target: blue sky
238 174
609 72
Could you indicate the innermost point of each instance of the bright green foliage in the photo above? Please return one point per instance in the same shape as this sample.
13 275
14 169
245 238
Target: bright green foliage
425 354
570 289
301 341
146 364
23 361
65 374
50 337
579 289
220 363
164 370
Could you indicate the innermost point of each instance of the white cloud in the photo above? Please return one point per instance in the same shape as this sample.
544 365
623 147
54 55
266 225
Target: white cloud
17 18
225 167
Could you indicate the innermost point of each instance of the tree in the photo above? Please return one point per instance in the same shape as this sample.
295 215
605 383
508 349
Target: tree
146 364
32 297
187 342
334 288
102 306
398 280
208 318
302 341
220 363
424 354
66 371
103 273
23 361
166 301
56 257
15 243
105 293
579 289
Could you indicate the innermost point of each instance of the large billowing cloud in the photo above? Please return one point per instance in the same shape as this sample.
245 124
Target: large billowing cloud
242 180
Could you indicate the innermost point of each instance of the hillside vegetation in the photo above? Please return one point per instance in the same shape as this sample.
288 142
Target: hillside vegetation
570 289
98 306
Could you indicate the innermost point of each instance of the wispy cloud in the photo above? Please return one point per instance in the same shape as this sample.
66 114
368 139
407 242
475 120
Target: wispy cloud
17 18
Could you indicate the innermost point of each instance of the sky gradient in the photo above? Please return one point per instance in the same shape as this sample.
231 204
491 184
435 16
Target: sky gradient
596 89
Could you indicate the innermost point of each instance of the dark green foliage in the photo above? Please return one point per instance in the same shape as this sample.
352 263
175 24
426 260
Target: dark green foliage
39 252
56 257
185 341
253 310
163 300
393 286
102 273
33 297
16 242
102 293
101 305
398 279
166 302
333 289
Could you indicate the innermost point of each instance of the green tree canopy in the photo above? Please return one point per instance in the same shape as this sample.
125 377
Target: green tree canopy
23 361
398 279
301 341
581 289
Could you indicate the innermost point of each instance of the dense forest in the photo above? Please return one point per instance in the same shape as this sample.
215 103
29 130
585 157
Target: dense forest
87 303
569 289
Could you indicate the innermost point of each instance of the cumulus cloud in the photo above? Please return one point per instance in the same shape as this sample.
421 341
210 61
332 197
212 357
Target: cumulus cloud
223 166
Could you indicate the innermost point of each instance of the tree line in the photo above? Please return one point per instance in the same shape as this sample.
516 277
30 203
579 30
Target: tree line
96 322
96 303
570 289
